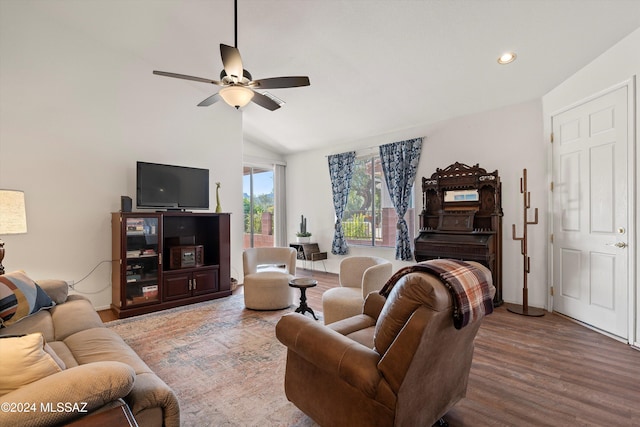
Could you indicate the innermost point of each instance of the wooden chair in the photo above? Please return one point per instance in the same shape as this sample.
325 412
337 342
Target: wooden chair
312 253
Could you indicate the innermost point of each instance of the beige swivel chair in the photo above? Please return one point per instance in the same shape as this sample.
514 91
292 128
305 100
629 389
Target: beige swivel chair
358 277
401 362
267 272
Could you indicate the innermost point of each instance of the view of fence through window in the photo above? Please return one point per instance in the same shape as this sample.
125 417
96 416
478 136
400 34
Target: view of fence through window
258 200
369 218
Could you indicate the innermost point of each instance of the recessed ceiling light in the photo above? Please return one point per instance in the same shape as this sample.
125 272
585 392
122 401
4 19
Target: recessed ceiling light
507 58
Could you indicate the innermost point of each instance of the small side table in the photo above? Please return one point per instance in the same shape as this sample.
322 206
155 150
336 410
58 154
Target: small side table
303 283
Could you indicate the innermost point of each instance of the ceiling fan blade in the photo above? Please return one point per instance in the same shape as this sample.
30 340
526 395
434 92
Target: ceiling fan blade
281 82
184 76
210 100
265 101
231 61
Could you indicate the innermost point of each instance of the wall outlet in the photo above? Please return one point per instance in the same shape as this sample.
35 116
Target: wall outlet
70 283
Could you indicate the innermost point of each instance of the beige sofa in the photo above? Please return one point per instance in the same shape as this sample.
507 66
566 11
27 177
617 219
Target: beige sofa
99 370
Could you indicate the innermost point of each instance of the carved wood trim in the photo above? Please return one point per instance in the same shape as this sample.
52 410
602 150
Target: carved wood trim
460 176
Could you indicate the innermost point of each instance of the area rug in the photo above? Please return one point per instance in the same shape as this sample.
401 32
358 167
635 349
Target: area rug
222 360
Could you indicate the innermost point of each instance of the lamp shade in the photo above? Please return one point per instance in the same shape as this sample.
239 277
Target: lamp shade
13 215
236 96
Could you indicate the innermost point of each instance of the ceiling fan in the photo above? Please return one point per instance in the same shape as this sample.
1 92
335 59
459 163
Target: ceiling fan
237 86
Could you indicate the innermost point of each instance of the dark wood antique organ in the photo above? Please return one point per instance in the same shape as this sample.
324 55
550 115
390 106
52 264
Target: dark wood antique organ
461 218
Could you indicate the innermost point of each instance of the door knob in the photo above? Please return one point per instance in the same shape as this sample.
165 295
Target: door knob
620 245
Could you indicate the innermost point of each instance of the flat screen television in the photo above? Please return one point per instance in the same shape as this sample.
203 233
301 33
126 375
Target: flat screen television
171 187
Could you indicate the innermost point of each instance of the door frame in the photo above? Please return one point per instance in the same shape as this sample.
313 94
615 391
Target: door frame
632 212
261 167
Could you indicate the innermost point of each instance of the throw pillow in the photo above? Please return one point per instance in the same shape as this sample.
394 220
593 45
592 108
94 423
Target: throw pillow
24 360
19 297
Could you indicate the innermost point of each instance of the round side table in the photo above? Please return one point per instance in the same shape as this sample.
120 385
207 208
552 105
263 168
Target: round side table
303 283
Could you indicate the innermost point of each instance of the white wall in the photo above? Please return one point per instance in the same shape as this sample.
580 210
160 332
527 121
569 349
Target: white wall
507 139
75 115
619 64
253 152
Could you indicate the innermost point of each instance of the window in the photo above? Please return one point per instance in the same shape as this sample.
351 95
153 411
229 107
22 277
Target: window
258 200
370 218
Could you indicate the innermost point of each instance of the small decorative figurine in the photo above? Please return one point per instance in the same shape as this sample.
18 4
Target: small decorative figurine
218 207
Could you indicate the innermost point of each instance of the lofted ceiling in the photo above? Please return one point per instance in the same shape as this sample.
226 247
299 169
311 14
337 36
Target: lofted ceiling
376 66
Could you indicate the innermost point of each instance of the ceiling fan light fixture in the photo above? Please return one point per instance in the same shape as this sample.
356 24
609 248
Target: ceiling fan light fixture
236 83
236 96
507 58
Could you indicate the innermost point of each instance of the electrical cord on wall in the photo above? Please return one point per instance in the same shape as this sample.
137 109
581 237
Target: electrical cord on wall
75 282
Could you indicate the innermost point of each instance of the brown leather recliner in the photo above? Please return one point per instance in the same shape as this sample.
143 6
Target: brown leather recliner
400 363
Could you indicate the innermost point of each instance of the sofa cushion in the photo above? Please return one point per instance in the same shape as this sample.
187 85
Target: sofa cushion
96 344
24 360
63 353
19 297
51 352
86 388
38 322
58 290
77 314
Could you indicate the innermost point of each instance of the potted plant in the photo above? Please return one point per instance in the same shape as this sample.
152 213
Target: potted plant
303 236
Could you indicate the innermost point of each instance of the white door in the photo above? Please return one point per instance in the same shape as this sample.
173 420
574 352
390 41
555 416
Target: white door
590 224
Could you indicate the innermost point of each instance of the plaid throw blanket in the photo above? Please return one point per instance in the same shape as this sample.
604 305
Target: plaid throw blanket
468 286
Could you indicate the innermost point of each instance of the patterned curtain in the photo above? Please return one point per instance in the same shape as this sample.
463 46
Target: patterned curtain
340 171
399 164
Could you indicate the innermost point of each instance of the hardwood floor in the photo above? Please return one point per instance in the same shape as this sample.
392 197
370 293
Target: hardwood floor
538 371
532 371
107 315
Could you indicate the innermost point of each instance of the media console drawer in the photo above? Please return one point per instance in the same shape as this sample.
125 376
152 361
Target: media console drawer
186 256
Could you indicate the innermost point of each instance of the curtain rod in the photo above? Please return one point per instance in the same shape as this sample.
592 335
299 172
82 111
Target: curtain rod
356 150
373 146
